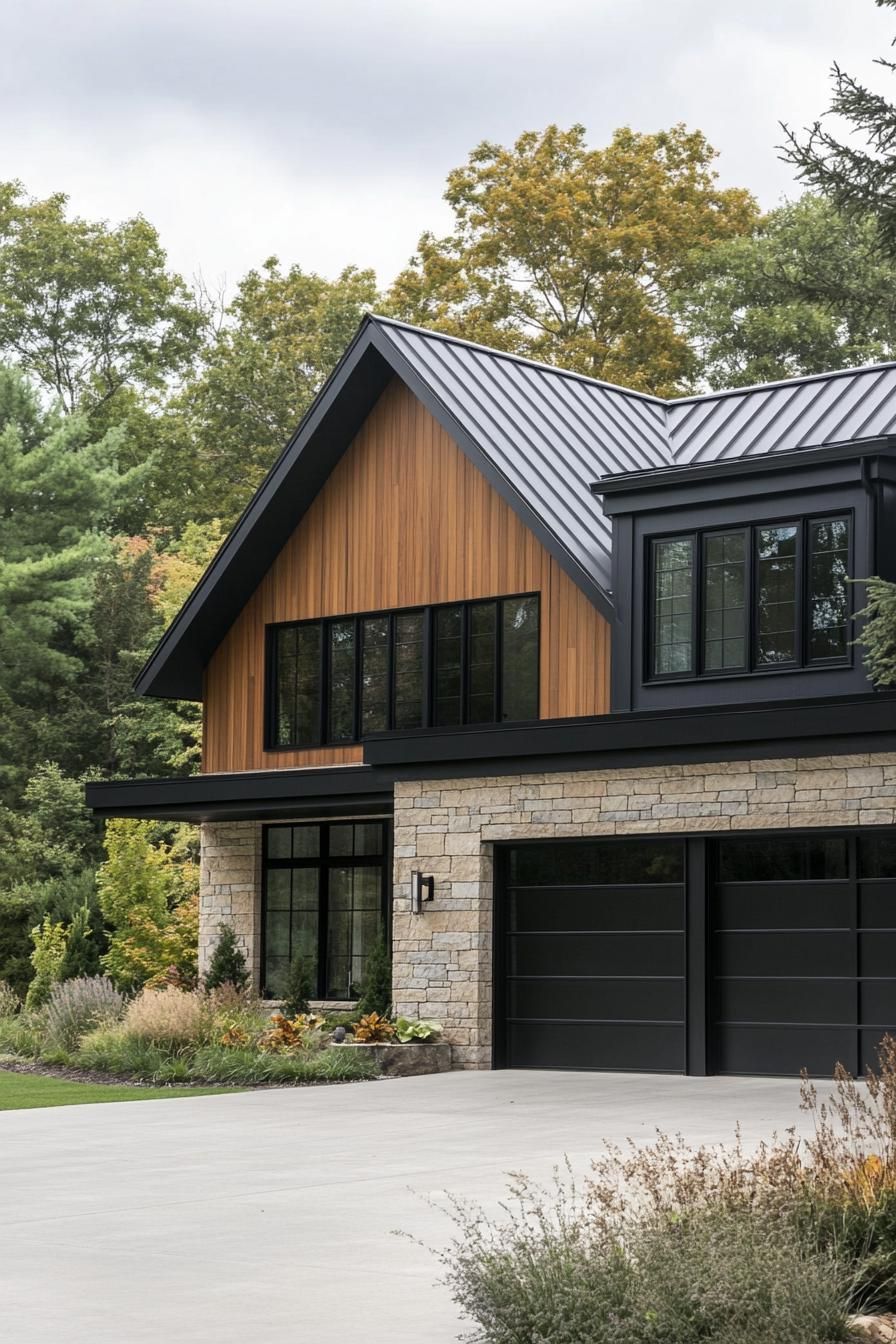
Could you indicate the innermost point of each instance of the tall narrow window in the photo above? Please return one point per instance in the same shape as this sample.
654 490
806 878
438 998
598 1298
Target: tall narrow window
673 606
408 674
724 601
341 709
449 625
828 605
374 674
482 662
519 662
296 651
776 587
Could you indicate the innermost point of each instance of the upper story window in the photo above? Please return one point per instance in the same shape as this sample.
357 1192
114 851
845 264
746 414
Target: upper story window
750 599
335 681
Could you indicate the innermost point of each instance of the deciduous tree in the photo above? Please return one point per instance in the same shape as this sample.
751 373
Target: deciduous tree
569 254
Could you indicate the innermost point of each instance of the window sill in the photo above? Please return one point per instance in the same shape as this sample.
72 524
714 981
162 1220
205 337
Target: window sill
812 668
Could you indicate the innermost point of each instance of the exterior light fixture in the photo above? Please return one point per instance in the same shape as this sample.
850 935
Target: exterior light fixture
422 889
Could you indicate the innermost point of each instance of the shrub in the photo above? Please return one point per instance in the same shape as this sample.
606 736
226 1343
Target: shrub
49 941
376 985
407 1030
547 1270
16 919
227 965
372 1029
10 1003
298 990
77 1006
22 1035
169 1017
113 1050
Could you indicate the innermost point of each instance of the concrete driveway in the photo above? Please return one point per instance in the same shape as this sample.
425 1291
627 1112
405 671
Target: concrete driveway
269 1215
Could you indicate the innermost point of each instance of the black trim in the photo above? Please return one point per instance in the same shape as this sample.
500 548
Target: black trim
819 727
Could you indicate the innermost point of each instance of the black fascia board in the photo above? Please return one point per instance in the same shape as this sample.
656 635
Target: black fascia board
174 669
610 740
247 795
616 489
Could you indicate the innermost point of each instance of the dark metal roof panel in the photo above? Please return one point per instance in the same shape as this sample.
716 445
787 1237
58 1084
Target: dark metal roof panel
804 413
547 432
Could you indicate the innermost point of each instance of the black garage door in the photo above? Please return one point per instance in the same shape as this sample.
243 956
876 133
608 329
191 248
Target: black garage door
761 954
591 955
802 955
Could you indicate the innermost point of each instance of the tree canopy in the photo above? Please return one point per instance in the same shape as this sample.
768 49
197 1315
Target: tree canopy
569 254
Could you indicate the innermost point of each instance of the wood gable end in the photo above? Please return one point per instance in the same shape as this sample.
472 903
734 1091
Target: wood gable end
404 519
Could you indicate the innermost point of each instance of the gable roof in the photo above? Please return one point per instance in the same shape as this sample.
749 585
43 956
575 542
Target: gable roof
539 435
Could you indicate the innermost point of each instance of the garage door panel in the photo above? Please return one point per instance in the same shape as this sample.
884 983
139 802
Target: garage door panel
784 1049
877 953
877 1000
877 905
551 909
616 1046
776 953
796 905
785 1000
639 999
595 954
596 863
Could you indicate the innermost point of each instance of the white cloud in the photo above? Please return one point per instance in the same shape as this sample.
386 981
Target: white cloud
324 133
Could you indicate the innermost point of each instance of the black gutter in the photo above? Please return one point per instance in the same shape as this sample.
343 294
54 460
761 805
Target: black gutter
331 790
619 483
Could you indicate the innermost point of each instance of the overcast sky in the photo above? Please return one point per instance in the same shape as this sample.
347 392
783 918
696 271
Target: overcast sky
323 132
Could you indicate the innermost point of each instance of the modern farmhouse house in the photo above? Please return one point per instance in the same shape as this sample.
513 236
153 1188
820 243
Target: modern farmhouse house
583 658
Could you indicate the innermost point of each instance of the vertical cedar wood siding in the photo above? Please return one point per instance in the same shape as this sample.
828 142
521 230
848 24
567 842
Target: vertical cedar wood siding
405 519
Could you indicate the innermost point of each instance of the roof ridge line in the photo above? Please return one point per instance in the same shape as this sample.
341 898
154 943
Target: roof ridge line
516 359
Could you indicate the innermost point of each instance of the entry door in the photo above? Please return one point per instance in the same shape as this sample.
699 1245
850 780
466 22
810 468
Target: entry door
802 952
590 955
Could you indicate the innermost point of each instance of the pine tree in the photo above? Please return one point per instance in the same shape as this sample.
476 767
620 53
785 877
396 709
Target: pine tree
298 988
376 985
878 635
82 955
227 965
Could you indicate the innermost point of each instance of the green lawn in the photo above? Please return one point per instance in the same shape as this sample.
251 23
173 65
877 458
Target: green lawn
21 1091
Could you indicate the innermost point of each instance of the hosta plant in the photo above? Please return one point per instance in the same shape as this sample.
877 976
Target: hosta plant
373 1029
408 1030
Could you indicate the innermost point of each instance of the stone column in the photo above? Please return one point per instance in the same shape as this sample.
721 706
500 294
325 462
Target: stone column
230 889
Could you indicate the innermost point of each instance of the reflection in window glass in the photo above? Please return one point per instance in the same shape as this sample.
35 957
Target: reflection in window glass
828 605
297 664
877 856
481 660
375 674
783 859
449 666
639 862
342 681
673 574
776 549
519 671
408 661
724 601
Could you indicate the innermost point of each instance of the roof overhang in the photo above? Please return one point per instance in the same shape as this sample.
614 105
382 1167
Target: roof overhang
175 667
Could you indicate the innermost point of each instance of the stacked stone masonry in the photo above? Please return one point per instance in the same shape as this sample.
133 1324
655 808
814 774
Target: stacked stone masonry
442 959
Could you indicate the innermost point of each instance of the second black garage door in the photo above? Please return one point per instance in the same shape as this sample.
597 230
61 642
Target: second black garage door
761 954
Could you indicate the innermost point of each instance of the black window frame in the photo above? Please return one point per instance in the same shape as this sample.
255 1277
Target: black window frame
750 531
321 737
323 862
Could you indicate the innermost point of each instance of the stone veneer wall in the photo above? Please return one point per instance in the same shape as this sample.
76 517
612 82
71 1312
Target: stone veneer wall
230 888
442 959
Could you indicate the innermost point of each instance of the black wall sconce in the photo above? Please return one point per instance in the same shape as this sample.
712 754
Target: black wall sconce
422 889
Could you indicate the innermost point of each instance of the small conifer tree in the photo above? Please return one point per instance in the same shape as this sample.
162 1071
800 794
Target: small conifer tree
376 983
227 965
82 956
298 989
878 637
